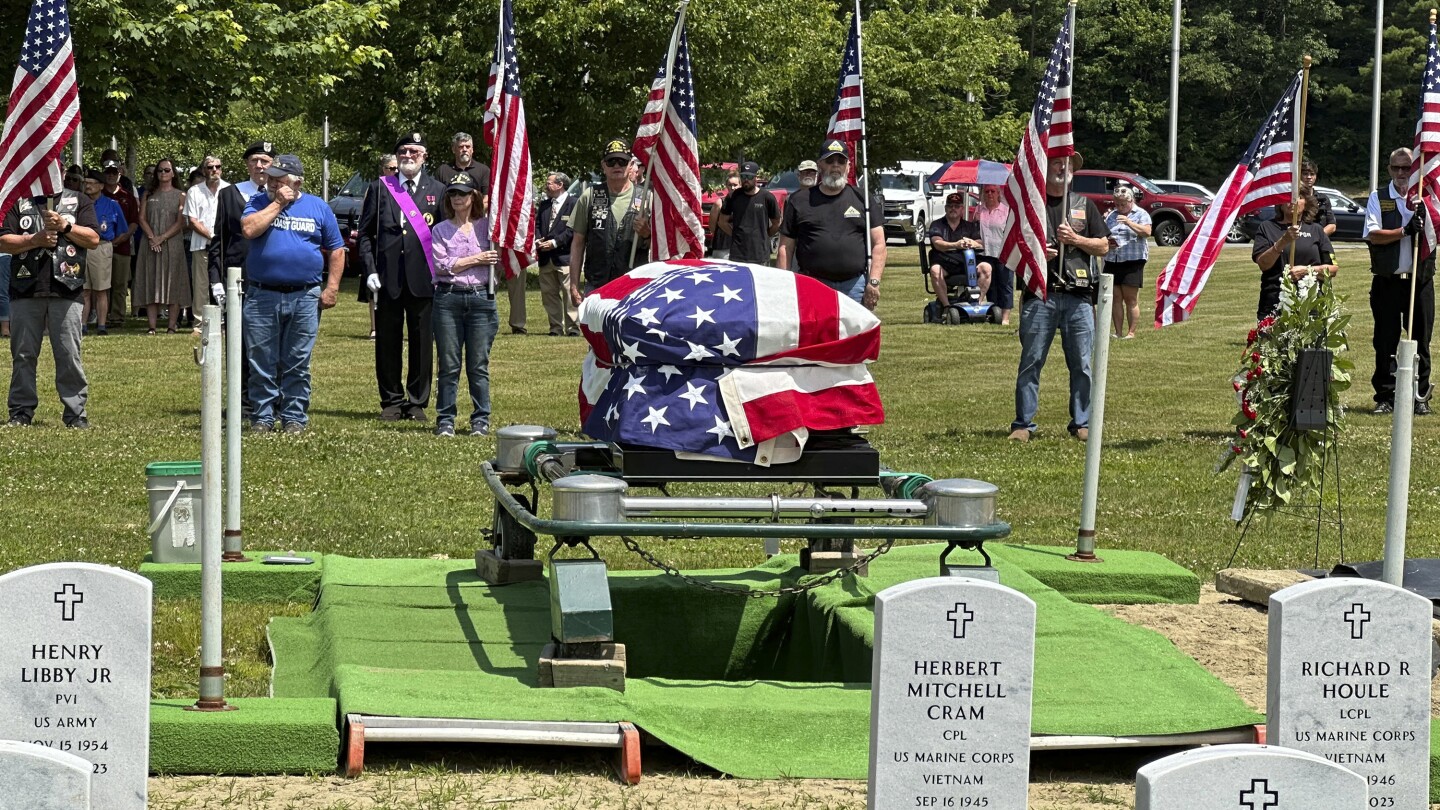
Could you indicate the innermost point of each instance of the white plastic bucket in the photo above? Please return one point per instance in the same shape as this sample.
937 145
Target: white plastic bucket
177 516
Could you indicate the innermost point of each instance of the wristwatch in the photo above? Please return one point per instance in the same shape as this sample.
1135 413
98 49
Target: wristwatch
68 228
875 282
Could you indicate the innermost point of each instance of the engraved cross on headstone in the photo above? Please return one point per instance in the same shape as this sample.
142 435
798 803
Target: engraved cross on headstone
1261 796
68 597
1357 616
960 616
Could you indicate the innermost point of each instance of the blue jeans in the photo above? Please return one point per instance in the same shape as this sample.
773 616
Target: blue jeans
1075 318
5 286
853 287
464 321
280 330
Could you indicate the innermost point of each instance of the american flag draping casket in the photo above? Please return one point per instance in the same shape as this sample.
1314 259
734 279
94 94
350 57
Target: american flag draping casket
725 360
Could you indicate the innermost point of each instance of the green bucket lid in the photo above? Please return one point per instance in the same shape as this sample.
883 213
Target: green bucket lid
177 468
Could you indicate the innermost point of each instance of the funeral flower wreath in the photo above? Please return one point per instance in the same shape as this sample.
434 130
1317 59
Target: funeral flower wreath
1287 463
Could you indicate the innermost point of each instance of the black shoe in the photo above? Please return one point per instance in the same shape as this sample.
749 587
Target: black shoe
444 429
415 415
519 330
1384 407
390 415
479 430
18 420
1422 408
79 424
101 331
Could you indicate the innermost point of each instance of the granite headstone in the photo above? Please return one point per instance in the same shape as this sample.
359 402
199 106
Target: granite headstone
75 671
950 688
34 777
1247 777
1349 680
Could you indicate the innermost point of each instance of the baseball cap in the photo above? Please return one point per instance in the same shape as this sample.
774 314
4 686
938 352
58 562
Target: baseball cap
954 197
410 139
111 164
833 147
749 168
462 182
286 164
617 148
260 148
808 166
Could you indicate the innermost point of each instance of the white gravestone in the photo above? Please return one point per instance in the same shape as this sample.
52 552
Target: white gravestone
1349 680
950 689
75 671
1247 777
34 777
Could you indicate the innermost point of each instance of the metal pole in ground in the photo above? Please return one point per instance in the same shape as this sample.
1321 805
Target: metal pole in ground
234 331
210 356
1398 504
1099 369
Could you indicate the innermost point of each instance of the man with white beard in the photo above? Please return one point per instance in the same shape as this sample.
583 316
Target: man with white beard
295 248
394 250
808 173
824 230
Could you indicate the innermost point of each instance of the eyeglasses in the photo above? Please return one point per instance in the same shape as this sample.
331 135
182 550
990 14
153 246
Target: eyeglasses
410 150
834 159
392 168
953 205
1404 168
214 168
168 171
611 163
454 193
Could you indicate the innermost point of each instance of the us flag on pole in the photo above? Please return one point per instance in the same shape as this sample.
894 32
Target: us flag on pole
1264 176
44 107
1048 134
847 122
1426 173
666 144
512 206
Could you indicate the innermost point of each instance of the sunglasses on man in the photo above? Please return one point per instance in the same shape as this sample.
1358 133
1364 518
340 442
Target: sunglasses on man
611 163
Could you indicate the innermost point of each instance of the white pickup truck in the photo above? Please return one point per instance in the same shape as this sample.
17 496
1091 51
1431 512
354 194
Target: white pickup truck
911 203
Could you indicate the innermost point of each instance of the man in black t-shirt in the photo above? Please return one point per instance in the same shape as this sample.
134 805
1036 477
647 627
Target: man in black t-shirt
1075 228
48 239
824 231
751 216
950 236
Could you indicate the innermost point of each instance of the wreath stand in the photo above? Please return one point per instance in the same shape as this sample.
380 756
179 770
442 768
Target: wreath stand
1309 401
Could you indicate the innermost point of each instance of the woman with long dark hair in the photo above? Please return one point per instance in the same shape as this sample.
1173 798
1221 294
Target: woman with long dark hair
163 279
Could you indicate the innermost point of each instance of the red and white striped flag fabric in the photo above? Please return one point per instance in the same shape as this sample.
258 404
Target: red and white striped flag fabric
667 148
727 360
1426 166
1048 134
847 114
512 203
44 107
1264 176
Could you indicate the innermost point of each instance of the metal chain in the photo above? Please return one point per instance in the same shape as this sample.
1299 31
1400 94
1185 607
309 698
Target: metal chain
788 590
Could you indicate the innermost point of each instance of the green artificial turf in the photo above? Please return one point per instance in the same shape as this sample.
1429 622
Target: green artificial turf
754 688
263 735
252 581
1121 578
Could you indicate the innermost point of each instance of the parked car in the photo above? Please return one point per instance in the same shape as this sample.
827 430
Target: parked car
1237 233
781 185
346 204
1173 216
911 202
1349 217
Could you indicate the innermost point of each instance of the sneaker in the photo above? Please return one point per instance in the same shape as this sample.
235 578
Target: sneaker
1384 407
479 430
101 331
262 427
1083 434
294 428
1020 435
18 420
1422 408
444 430
79 424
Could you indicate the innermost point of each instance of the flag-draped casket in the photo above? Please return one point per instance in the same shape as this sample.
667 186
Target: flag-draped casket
725 360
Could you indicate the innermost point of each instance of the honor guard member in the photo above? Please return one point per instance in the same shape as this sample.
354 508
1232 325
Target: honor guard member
48 238
607 222
1391 231
229 247
395 251
552 243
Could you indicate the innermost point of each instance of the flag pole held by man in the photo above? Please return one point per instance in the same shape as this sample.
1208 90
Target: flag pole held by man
512 206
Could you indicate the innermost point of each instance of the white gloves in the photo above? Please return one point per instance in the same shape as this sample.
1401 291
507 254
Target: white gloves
372 281
217 291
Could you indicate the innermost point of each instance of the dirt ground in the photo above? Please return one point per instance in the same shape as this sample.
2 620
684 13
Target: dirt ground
1225 635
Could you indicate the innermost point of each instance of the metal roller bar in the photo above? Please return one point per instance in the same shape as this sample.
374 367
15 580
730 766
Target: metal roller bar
610 739
799 531
774 508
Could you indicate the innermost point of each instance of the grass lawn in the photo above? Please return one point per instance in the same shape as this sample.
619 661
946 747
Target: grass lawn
356 486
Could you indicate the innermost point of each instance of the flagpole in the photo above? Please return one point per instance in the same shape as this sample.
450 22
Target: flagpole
1299 154
499 88
864 143
664 111
1065 198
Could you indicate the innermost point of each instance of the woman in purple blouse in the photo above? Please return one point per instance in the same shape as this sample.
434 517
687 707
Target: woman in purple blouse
464 310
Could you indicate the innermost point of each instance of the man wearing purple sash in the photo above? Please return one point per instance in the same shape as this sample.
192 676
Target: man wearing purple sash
394 245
